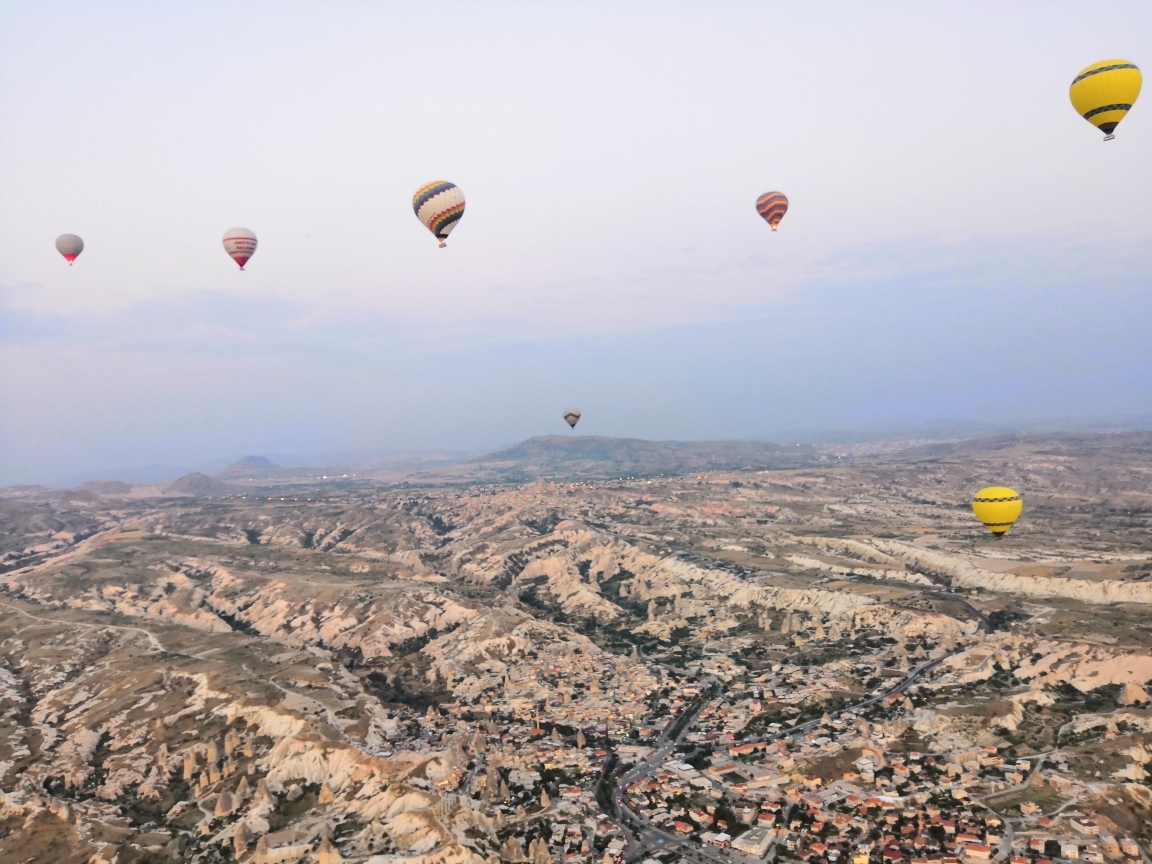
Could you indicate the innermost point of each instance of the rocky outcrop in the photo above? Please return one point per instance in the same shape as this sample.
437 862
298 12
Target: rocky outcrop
1127 669
327 853
1047 663
668 574
1109 722
806 563
291 613
1015 716
1132 772
854 548
513 851
538 852
1133 694
964 574
575 596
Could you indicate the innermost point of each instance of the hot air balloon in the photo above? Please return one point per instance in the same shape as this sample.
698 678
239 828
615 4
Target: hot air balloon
439 206
772 206
572 417
69 245
240 243
1104 92
997 507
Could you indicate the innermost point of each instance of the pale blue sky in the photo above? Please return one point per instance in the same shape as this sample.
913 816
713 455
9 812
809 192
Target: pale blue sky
960 244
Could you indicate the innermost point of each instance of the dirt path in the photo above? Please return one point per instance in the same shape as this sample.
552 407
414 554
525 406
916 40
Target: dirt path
156 645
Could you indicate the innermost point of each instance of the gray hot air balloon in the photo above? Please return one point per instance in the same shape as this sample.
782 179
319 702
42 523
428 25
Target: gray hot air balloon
572 417
69 245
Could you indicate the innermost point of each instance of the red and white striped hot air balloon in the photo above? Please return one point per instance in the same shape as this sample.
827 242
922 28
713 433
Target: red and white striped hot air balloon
240 243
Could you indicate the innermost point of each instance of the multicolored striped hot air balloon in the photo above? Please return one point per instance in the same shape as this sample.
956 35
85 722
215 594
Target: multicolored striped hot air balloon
1104 93
439 205
772 206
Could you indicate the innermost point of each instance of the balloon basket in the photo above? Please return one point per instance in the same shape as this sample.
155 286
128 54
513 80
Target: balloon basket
1109 137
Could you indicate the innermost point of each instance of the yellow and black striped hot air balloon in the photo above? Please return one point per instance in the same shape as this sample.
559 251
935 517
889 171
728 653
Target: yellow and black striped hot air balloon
1104 92
997 507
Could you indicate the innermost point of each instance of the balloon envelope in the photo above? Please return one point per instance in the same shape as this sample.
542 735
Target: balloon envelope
69 245
240 243
772 206
1104 93
997 507
572 417
439 205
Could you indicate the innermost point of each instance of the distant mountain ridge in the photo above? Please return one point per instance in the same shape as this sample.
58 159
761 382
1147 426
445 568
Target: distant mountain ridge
105 487
596 456
575 457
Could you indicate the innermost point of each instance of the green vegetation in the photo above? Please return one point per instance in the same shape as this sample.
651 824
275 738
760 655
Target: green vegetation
1045 797
545 525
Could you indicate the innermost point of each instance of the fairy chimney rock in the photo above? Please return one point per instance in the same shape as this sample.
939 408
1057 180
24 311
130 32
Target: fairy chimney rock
1133 694
328 853
512 851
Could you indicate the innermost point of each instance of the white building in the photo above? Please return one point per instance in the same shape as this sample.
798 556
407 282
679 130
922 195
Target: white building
754 842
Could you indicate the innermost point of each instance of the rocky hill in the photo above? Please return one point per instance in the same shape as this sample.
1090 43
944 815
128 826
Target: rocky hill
197 484
590 456
254 467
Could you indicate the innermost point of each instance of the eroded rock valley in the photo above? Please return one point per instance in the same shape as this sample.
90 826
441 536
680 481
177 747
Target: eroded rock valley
830 662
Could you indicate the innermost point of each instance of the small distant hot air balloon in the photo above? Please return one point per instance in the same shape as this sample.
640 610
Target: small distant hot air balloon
439 206
772 206
240 243
1104 92
69 245
997 507
572 417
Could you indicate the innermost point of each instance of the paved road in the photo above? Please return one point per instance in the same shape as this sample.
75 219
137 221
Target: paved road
644 837
957 598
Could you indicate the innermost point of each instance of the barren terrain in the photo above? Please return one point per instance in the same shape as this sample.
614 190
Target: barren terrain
449 669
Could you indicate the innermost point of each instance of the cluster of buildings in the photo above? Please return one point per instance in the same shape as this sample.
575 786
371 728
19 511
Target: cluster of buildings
1072 837
843 792
913 808
544 732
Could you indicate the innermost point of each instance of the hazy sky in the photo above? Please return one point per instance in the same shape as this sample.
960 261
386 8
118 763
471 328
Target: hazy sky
959 245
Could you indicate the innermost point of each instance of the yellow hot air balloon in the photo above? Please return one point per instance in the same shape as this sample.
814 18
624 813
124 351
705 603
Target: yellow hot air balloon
997 507
1104 92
